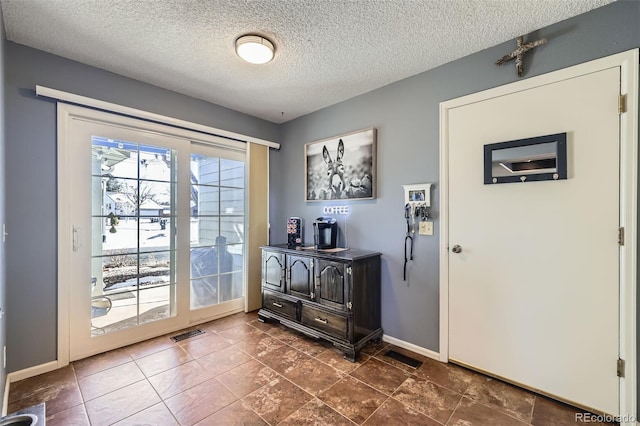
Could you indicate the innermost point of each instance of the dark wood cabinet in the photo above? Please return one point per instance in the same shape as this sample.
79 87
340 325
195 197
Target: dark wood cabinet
332 296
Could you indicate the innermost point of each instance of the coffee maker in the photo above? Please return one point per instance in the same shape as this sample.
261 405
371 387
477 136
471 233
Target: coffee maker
325 232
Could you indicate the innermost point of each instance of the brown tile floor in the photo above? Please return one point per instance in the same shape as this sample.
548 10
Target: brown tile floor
243 372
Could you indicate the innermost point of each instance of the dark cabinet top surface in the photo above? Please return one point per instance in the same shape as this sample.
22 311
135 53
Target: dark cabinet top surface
344 255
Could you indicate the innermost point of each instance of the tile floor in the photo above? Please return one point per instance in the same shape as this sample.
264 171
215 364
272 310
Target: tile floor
244 372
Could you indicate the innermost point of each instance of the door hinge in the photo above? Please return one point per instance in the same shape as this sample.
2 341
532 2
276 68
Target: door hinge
349 270
621 236
349 305
620 367
622 104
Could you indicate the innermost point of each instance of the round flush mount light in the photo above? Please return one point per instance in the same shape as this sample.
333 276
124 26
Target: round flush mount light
255 49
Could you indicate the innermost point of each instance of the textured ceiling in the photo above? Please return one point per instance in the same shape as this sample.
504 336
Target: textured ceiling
327 51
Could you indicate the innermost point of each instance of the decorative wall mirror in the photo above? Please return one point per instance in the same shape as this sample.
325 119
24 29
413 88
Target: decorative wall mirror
525 160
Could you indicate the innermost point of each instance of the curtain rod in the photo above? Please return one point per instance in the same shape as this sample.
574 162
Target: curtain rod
138 113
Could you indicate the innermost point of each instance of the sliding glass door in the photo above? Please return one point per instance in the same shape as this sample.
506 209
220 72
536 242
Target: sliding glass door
157 226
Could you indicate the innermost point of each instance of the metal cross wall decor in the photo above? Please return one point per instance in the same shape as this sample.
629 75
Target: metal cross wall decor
519 53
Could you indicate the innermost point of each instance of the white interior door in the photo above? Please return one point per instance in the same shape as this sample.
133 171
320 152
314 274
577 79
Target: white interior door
534 293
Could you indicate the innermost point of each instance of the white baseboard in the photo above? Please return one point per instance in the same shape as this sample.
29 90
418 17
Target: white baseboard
16 376
411 347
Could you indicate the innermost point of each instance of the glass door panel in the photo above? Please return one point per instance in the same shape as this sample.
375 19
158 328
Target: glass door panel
217 228
133 234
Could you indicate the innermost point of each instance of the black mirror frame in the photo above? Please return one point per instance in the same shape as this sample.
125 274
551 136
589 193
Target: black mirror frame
561 159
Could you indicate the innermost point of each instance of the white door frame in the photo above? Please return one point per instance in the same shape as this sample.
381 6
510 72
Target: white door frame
628 63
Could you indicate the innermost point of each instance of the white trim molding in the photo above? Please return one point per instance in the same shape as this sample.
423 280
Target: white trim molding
411 347
16 376
145 115
628 64
36 370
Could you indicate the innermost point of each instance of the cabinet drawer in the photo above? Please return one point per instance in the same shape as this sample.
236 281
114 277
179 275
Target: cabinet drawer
280 305
335 325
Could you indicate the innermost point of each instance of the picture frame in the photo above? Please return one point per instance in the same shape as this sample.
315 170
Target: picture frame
418 194
341 167
526 160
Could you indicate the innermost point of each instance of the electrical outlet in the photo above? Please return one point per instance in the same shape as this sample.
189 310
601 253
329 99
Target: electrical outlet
426 228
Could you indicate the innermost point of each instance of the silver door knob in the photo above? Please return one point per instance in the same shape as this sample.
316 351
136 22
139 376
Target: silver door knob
456 249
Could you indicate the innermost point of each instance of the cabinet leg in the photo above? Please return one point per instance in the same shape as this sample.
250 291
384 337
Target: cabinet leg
350 355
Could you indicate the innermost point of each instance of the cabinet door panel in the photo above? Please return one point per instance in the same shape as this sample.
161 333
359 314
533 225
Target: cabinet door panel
300 276
273 270
332 283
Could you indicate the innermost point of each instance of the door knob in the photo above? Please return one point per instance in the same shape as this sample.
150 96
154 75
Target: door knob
456 249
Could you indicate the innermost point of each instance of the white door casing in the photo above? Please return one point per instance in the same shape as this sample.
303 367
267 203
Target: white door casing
523 223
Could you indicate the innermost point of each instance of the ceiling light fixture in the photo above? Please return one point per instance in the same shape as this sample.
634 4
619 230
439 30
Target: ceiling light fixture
255 49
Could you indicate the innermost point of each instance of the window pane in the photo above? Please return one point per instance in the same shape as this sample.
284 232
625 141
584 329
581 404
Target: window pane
155 269
231 173
204 262
232 228
153 198
231 286
111 195
113 312
204 170
204 292
155 234
206 200
231 201
119 272
155 163
114 157
204 231
154 304
120 234
237 253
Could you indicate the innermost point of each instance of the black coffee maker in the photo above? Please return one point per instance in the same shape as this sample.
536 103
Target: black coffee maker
325 232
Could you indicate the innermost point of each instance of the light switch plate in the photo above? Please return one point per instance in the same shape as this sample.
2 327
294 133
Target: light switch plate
426 228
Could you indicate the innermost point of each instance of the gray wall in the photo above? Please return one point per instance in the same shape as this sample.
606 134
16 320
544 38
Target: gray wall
406 115
31 180
3 373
